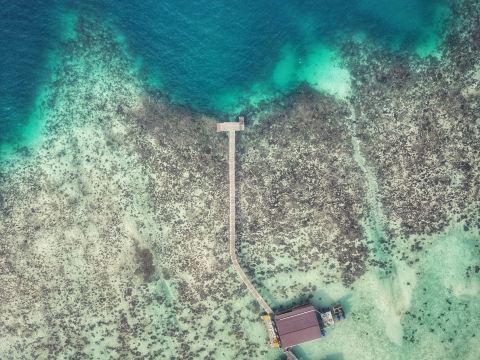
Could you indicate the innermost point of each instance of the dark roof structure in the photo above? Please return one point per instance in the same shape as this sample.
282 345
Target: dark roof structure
297 326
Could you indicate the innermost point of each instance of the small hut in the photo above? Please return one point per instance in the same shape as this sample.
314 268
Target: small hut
297 325
300 324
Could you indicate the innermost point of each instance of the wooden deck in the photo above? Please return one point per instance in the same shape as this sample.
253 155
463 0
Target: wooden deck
232 128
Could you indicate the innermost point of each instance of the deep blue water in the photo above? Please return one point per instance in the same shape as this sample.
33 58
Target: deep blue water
27 33
203 48
198 49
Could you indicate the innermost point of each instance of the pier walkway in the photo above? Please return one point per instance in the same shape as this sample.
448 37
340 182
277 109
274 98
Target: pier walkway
232 128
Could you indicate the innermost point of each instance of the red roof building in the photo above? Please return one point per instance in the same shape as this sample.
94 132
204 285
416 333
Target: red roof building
297 326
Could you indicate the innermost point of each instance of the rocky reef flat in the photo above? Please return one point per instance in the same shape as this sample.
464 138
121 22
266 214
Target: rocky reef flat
114 227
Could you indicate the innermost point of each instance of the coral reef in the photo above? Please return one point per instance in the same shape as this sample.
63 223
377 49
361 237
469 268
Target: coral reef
114 228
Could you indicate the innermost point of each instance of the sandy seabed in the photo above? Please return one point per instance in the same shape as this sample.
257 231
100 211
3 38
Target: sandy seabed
114 226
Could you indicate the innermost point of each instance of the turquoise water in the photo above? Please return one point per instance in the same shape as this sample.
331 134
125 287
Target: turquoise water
214 56
28 35
104 203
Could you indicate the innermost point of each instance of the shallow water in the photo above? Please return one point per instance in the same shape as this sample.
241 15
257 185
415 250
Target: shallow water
409 313
99 187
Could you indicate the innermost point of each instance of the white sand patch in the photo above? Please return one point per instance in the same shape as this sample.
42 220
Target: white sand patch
392 297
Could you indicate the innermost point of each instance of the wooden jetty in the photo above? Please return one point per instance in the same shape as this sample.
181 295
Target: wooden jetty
285 329
231 128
